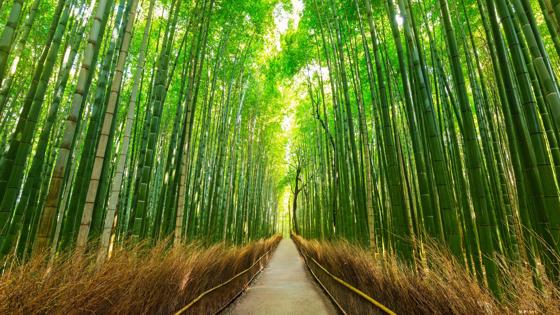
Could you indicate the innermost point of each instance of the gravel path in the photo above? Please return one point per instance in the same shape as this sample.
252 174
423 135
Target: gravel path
283 287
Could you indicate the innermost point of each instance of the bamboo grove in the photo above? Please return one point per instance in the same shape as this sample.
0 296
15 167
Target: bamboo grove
431 120
133 120
389 123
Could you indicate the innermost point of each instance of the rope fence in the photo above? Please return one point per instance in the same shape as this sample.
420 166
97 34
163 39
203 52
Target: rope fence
203 294
353 289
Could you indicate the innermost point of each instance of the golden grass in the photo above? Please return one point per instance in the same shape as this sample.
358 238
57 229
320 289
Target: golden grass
137 280
442 288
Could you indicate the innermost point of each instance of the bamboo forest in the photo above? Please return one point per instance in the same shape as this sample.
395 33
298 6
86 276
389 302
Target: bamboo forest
280 157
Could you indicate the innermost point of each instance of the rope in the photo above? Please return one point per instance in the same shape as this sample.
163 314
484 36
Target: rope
239 293
382 307
322 285
193 302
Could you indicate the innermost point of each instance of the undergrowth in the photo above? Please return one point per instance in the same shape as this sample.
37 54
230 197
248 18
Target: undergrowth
135 280
442 286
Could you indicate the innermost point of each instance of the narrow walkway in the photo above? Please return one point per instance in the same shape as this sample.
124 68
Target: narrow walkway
284 287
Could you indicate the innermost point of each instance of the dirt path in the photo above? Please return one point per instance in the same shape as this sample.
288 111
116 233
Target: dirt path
284 287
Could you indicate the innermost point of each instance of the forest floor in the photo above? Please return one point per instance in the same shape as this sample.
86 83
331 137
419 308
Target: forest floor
284 287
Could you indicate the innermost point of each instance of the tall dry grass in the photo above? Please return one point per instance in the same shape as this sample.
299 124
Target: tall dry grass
442 287
137 280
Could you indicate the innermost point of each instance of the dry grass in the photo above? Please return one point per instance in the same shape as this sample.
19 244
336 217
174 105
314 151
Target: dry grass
137 280
442 288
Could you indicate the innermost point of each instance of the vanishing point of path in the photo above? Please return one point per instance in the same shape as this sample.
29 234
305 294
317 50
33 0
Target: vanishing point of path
283 287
